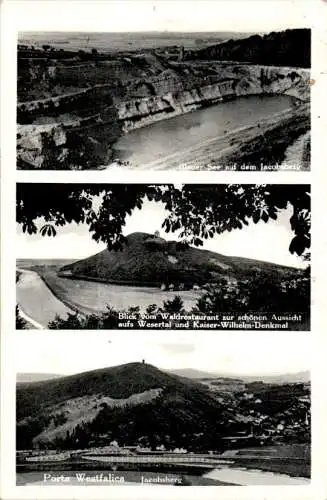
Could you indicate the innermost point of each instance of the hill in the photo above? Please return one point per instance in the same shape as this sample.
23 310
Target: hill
286 48
151 261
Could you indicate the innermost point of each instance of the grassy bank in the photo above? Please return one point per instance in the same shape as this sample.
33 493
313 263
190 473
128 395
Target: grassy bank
61 293
293 460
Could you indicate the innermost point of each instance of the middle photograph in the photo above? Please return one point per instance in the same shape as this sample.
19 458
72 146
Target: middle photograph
163 256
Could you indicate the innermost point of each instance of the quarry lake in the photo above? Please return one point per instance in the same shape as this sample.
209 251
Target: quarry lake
217 477
39 305
154 144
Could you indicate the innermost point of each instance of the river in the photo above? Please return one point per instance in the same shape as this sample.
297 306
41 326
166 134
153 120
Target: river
219 477
152 143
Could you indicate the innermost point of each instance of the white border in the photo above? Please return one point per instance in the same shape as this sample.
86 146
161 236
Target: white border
104 16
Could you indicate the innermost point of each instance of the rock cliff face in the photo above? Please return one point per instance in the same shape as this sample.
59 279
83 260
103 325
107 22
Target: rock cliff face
171 93
236 81
290 47
63 147
75 144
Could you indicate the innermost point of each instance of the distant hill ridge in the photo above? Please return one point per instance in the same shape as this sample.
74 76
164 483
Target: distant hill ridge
199 374
147 260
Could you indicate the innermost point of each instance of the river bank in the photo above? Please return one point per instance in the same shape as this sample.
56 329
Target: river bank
130 478
41 296
36 303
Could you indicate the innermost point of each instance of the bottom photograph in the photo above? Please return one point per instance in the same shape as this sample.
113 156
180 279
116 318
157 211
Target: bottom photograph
229 410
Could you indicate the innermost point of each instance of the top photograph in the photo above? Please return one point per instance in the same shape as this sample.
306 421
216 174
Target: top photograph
166 100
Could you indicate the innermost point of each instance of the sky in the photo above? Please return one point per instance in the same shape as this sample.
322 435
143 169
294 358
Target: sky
227 353
161 15
262 241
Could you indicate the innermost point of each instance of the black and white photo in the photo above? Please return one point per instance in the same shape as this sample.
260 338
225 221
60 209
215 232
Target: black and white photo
163 256
172 100
162 290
